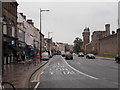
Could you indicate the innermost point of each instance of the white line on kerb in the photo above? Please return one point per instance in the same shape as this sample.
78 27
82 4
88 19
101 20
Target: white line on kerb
36 86
79 71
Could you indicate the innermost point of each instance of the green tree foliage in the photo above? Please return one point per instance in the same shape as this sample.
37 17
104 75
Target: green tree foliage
78 44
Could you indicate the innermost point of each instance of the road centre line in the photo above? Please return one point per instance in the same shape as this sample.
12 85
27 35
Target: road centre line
79 71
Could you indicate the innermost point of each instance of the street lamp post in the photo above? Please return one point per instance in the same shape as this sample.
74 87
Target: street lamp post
40 32
1 42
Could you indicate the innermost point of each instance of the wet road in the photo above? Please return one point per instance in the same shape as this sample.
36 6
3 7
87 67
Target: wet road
77 73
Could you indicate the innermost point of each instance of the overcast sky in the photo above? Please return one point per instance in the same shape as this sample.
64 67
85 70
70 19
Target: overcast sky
67 20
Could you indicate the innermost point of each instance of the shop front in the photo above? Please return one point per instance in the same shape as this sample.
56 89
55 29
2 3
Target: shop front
9 50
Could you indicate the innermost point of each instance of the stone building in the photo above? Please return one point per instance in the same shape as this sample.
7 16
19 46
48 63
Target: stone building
110 45
86 37
96 36
29 30
88 48
95 40
21 37
66 47
32 36
10 37
103 43
48 44
55 47
61 46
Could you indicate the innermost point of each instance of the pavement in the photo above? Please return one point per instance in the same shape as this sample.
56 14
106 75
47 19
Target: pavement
104 58
18 74
77 73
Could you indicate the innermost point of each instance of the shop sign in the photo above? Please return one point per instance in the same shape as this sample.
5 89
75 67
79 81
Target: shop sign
12 42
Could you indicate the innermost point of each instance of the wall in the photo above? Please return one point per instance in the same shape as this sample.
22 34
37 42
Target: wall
88 48
109 45
95 40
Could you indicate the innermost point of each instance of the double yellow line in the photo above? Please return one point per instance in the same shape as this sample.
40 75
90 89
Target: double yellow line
38 74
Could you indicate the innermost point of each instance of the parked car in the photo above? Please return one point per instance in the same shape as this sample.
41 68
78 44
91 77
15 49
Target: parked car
58 53
45 56
74 54
80 54
63 53
117 58
90 56
69 56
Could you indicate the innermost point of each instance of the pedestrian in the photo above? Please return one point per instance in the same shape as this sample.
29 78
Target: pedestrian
37 59
23 56
17 56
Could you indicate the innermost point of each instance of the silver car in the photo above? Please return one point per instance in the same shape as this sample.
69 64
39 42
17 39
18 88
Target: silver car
45 56
68 56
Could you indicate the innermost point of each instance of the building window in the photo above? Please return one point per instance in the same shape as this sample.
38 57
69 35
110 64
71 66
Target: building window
9 29
21 35
13 31
4 28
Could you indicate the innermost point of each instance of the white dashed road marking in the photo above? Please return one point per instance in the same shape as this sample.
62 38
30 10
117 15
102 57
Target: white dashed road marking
51 73
80 71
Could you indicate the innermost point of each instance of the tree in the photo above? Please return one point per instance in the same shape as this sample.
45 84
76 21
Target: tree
78 44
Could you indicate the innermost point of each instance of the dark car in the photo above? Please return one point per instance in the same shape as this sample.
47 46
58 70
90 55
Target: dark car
80 54
90 56
117 58
58 52
69 56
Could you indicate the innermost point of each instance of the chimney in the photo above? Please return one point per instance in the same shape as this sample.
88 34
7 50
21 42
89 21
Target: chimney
113 32
107 29
21 14
30 22
24 17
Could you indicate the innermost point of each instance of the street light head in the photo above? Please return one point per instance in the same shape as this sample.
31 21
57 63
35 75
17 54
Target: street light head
47 10
44 10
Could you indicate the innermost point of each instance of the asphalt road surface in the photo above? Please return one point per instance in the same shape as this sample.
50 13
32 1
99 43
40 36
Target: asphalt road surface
77 73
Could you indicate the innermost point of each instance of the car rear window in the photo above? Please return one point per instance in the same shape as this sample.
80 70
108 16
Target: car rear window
45 54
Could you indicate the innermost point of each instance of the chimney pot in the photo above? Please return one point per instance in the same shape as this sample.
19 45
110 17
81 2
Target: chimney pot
113 32
30 22
24 17
21 14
